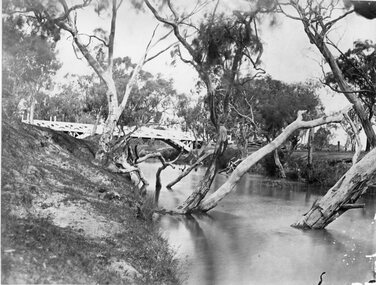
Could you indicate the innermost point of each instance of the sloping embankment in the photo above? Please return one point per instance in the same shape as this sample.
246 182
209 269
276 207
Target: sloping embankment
60 222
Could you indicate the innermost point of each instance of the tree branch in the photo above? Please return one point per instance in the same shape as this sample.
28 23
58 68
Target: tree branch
67 10
174 26
245 117
329 24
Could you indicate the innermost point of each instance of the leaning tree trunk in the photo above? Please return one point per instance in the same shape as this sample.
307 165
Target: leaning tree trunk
342 196
193 201
231 183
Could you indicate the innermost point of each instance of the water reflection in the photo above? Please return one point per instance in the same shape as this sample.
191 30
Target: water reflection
247 239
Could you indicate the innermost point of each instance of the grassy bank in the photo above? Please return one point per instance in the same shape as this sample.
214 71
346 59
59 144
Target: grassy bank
65 220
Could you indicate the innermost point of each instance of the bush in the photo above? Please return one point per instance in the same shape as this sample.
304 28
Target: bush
269 165
321 172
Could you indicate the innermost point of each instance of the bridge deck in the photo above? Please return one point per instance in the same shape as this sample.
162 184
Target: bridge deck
179 138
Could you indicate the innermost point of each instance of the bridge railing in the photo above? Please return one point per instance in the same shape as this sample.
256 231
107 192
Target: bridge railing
142 132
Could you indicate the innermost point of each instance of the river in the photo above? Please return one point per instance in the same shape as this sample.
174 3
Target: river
247 238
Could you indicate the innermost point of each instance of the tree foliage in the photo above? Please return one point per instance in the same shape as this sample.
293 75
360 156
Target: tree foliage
29 63
358 66
84 97
195 117
267 106
322 138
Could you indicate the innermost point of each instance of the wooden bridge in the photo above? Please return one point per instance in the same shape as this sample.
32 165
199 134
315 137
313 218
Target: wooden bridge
177 139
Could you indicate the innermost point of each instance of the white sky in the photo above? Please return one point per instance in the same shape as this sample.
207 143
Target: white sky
288 55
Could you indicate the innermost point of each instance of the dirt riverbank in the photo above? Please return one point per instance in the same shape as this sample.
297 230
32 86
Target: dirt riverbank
66 220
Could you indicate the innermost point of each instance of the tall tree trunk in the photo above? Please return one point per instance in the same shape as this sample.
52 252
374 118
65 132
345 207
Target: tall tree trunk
342 196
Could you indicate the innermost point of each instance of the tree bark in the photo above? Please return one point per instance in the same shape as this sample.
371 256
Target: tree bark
211 201
341 196
311 136
358 146
94 130
279 164
32 109
193 201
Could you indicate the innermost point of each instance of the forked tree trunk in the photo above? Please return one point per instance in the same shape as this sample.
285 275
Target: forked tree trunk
342 196
231 183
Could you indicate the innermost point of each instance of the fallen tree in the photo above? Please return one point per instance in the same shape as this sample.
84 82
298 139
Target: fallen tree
231 183
340 198
207 203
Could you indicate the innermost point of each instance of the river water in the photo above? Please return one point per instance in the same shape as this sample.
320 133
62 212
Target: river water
247 238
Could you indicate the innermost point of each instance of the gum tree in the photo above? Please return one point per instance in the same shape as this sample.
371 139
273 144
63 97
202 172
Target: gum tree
318 20
217 49
58 16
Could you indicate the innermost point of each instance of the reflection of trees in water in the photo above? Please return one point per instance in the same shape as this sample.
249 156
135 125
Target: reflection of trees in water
225 244
201 245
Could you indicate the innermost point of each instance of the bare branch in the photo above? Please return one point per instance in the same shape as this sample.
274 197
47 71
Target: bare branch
160 52
190 168
67 10
183 59
174 26
95 37
162 38
244 116
281 10
329 24
173 10
344 92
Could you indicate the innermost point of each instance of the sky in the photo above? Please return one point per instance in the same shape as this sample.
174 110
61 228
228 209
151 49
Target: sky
288 56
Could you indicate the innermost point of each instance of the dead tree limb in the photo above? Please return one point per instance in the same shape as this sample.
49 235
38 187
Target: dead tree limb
210 202
189 169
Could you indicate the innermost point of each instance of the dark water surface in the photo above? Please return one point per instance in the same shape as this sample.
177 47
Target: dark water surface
247 238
